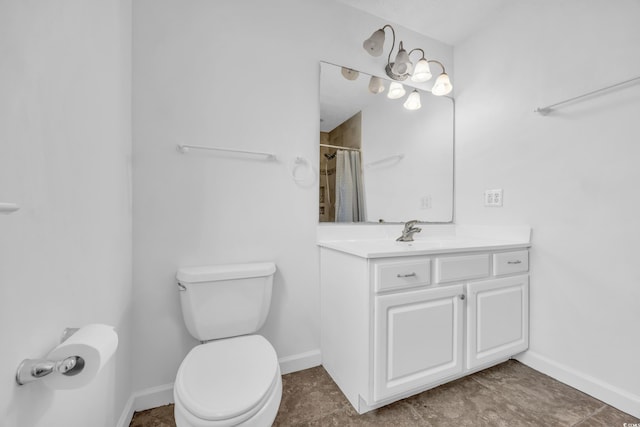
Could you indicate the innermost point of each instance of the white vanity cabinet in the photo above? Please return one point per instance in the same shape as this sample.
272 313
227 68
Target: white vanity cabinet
497 319
393 326
417 339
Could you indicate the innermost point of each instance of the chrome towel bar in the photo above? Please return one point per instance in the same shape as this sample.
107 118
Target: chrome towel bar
546 110
185 149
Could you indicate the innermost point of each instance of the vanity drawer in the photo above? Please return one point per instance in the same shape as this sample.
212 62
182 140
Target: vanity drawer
510 262
453 268
401 273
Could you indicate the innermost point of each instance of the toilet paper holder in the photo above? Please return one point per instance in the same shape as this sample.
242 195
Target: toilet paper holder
33 369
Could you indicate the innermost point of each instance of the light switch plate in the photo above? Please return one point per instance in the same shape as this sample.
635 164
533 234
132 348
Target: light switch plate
493 198
425 202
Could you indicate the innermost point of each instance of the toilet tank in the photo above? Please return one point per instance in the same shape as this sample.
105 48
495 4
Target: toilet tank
220 301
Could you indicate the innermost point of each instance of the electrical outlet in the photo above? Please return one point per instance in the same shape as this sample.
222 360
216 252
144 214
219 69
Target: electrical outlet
493 198
425 202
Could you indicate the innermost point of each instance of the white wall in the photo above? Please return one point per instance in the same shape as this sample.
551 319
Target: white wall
65 144
240 74
394 190
573 176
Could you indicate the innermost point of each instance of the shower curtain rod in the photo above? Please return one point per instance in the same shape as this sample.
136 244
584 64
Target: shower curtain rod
339 147
546 110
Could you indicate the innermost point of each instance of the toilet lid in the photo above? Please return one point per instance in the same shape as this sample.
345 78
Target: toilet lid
226 378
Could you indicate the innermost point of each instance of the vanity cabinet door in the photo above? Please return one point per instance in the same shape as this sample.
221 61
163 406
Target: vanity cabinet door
418 339
497 319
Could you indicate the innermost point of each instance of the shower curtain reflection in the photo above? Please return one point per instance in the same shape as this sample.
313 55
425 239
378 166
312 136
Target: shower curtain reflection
349 199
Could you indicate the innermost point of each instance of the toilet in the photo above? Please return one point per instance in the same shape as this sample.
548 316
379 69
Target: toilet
233 377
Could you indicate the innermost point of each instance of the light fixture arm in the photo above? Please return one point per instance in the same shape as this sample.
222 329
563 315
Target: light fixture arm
393 41
417 48
442 86
433 61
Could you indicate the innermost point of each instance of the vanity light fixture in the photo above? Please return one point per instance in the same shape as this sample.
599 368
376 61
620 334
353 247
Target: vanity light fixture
413 101
396 90
442 85
376 85
402 67
349 74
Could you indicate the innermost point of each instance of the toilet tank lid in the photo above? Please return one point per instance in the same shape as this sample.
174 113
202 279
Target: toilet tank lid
212 273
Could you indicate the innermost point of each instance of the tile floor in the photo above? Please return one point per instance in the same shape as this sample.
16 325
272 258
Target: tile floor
510 394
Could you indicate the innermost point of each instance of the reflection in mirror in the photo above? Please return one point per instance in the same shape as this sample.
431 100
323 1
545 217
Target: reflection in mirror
381 161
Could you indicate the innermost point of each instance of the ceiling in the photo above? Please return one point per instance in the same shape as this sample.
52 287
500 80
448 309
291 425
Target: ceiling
449 21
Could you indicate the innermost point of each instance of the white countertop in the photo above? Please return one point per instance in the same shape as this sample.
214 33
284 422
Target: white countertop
453 239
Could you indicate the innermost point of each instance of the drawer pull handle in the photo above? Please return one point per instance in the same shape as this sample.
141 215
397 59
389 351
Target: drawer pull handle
406 275
514 262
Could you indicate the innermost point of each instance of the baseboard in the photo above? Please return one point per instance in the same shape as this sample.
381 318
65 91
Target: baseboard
611 395
163 395
146 399
127 414
300 361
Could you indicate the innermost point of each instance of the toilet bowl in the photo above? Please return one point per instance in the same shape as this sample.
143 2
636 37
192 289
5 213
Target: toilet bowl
233 378
229 382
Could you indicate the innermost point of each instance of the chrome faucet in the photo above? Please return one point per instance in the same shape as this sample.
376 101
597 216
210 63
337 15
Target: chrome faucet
409 231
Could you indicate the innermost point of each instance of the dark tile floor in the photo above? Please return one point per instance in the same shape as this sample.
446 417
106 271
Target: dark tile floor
510 394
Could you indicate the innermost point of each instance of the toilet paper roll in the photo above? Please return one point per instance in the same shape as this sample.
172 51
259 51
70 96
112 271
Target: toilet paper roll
95 344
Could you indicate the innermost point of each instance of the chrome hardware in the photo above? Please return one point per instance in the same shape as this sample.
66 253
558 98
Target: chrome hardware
182 148
39 369
462 297
514 262
33 369
68 365
181 287
406 275
409 231
549 108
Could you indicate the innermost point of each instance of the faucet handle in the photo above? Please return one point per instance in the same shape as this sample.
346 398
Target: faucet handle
409 231
409 224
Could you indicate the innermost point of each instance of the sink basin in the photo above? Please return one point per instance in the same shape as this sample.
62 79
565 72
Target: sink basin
420 244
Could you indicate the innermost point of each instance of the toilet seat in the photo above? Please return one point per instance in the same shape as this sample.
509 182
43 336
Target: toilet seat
228 380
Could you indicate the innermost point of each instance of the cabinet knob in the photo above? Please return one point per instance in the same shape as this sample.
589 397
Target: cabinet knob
462 297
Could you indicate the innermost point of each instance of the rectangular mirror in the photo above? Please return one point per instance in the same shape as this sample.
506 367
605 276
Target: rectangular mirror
379 161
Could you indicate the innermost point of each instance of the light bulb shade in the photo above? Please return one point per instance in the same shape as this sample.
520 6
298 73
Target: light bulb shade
442 86
413 101
402 64
375 43
350 74
396 90
376 85
421 72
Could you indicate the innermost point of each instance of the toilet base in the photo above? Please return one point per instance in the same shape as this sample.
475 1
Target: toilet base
263 418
